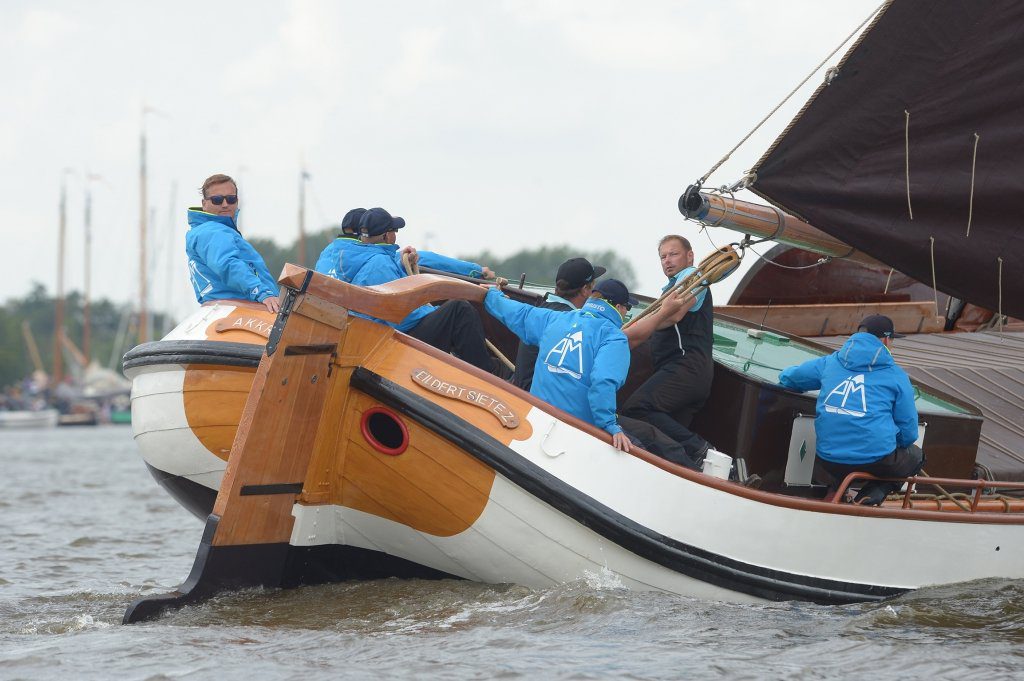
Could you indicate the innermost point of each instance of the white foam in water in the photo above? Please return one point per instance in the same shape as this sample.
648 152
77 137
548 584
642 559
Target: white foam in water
603 579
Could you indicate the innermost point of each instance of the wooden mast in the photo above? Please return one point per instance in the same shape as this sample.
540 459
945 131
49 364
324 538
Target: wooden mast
143 217
717 210
58 322
303 176
33 349
171 243
86 313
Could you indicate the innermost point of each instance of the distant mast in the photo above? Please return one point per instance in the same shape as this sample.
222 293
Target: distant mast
303 176
171 244
86 318
143 217
58 321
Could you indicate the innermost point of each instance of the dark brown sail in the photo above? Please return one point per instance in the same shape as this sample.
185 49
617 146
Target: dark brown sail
936 85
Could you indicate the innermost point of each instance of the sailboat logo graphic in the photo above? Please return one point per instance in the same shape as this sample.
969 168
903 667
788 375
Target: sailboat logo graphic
567 352
846 397
195 275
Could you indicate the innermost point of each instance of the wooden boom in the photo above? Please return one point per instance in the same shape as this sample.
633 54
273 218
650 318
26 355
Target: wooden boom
717 210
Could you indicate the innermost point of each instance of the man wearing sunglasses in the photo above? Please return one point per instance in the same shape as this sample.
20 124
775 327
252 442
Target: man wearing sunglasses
221 263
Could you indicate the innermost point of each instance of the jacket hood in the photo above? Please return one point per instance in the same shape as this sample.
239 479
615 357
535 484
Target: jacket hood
198 216
602 308
864 352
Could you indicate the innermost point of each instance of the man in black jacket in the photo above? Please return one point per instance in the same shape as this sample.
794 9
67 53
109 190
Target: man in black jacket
681 356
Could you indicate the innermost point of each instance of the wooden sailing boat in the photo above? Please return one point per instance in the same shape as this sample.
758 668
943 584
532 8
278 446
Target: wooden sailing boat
361 452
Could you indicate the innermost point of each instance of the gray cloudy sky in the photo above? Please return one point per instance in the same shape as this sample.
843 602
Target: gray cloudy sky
496 125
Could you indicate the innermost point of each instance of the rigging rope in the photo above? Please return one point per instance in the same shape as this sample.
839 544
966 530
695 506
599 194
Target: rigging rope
970 206
1000 310
906 155
823 260
829 76
935 288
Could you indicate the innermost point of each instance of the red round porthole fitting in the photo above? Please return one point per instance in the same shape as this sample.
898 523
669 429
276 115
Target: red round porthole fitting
384 430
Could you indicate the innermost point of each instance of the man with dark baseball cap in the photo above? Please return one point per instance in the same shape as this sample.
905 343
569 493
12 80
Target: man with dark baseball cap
453 327
332 257
880 326
866 419
574 282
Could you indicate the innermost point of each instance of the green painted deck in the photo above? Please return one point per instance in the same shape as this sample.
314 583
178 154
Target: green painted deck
764 354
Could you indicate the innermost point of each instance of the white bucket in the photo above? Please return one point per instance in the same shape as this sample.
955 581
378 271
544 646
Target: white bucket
717 464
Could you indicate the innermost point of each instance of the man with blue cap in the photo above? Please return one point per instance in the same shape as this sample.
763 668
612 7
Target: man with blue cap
453 327
332 258
332 261
222 265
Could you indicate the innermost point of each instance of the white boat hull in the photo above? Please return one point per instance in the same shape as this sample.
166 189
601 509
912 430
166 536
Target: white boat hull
43 418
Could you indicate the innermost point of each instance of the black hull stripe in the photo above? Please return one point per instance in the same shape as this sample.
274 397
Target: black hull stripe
221 353
630 535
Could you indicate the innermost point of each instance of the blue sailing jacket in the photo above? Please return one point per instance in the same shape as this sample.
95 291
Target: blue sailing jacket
372 264
332 259
334 262
583 358
436 261
866 404
221 263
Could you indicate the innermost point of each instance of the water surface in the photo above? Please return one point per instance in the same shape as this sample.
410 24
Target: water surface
86 530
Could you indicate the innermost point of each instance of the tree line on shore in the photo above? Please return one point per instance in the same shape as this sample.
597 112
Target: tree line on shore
114 324
539 264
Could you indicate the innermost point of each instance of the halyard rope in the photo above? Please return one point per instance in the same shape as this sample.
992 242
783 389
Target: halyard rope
906 156
771 113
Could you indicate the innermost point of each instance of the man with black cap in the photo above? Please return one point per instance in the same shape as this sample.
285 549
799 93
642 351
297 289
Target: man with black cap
574 282
332 258
865 420
584 360
453 327
642 433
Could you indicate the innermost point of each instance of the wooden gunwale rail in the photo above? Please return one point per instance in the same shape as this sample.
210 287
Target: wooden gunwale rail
978 485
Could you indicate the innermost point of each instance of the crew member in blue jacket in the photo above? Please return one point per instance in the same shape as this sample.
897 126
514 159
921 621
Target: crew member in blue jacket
583 358
865 419
221 263
453 327
332 260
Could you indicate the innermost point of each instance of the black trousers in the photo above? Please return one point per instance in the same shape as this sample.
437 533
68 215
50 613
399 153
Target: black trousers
669 399
901 463
645 435
456 327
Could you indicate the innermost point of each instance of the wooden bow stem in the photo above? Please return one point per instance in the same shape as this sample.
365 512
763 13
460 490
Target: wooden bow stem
414 268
